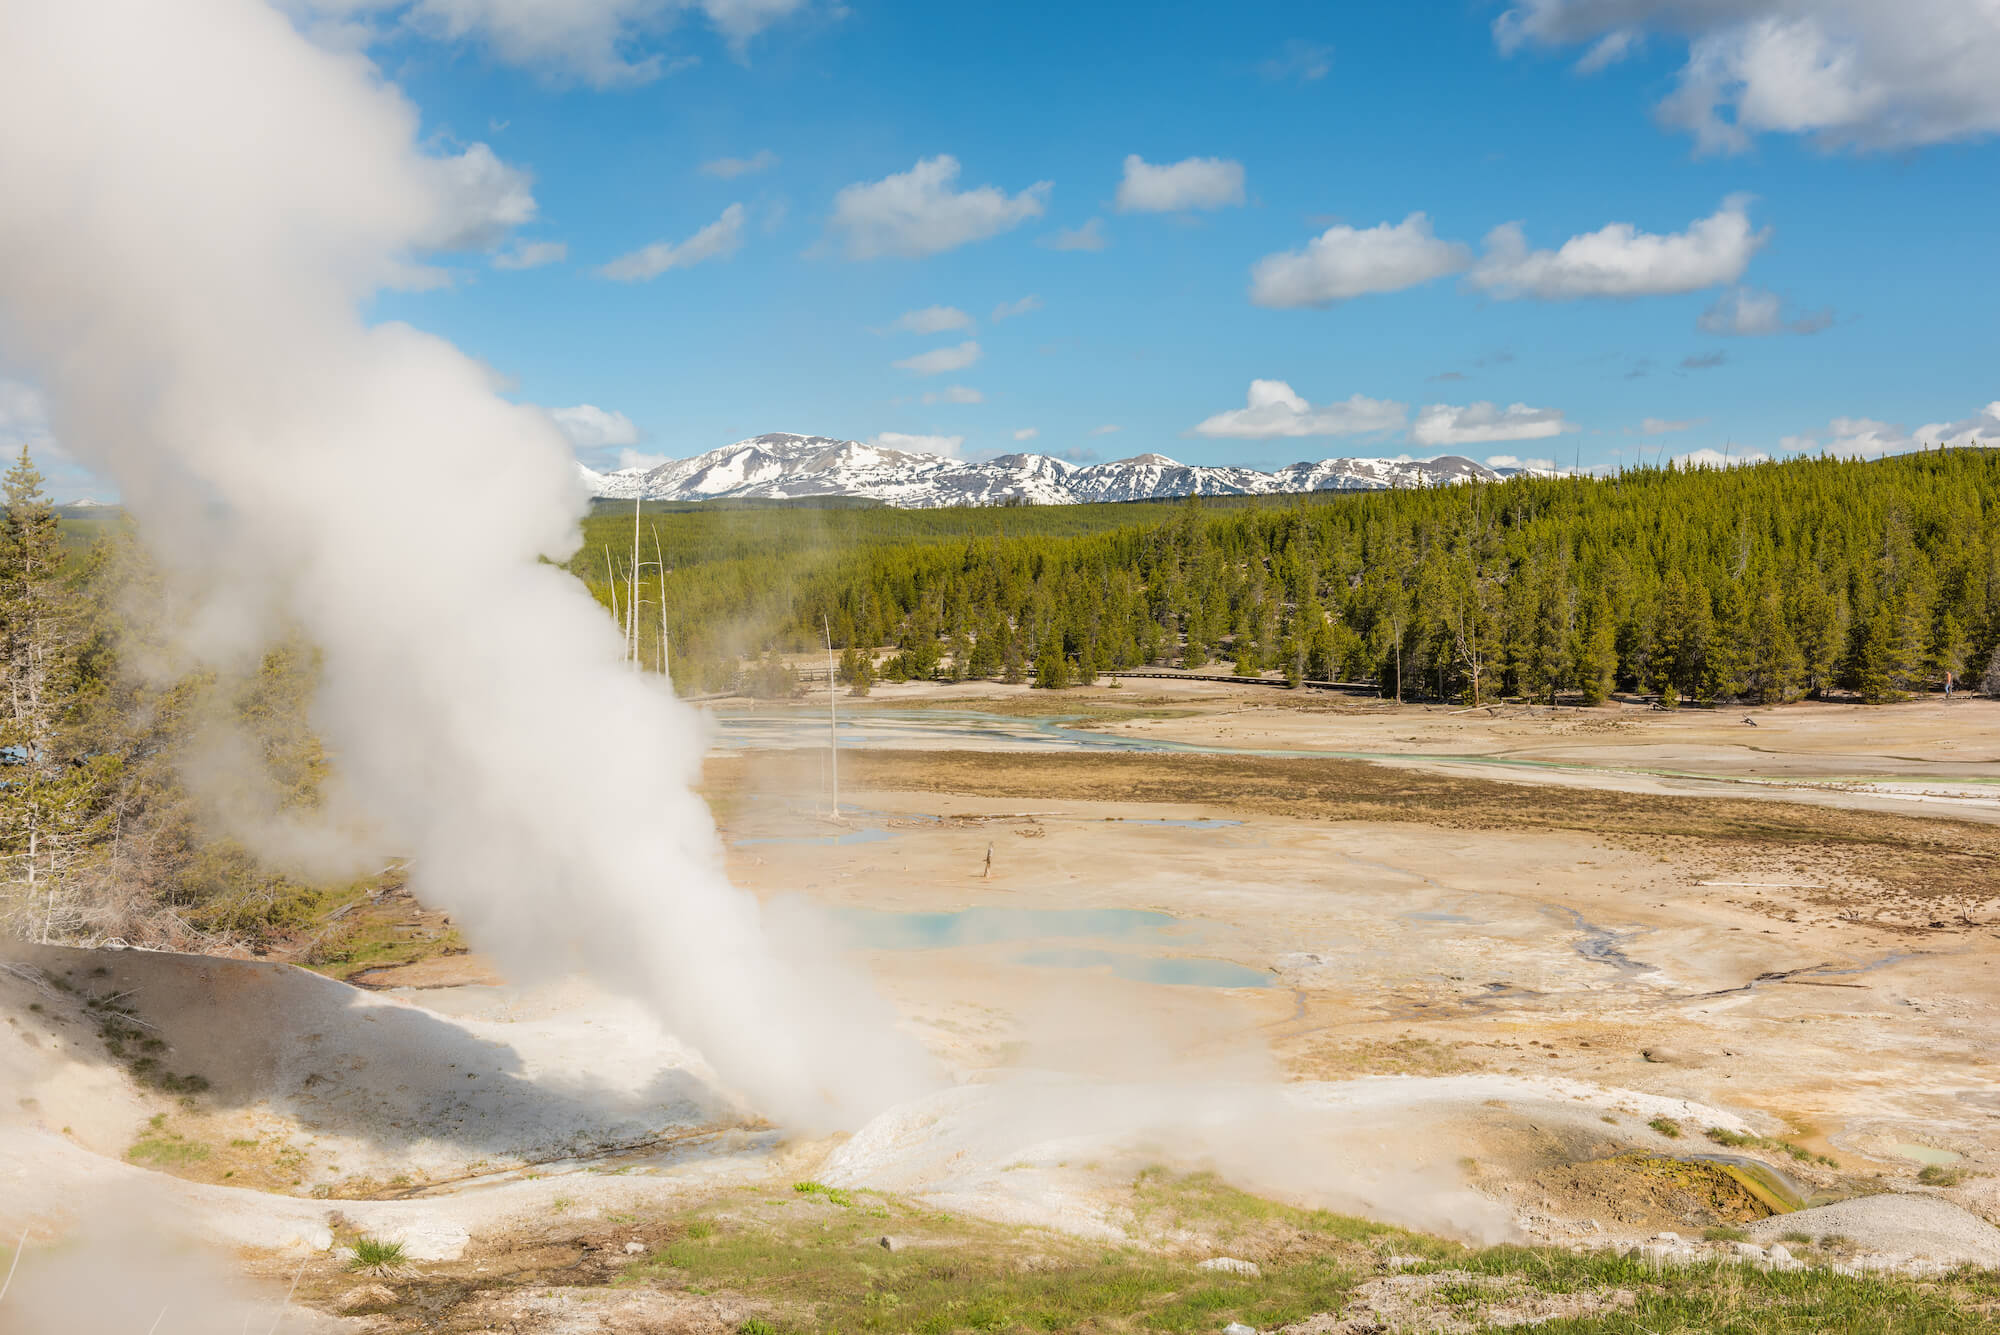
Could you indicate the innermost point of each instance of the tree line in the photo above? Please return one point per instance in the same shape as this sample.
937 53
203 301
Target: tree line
1764 583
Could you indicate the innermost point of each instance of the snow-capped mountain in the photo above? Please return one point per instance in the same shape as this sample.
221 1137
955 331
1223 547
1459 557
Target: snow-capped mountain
781 466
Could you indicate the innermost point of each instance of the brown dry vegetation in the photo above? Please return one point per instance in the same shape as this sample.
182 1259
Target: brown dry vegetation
1940 865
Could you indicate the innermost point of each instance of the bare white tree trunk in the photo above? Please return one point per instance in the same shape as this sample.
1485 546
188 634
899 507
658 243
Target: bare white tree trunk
632 631
832 720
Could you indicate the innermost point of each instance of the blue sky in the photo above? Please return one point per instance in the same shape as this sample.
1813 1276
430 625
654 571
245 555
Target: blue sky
1843 157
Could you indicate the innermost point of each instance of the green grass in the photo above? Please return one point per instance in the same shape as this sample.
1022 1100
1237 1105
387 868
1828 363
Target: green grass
816 1271
1738 1139
375 1254
834 1195
1667 1127
1941 1175
1724 1233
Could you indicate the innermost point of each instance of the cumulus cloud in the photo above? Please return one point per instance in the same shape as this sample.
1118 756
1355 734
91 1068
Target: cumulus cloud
482 199
919 212
1108 429
24 414
1090 236
1660 426
1442 424
1868 438
1345 262
731 168
954 394
1710 457
933 320
1273 410
630 458
948 446
1621 261
1509 461
1753 312
1297 60
1007 310
604 43
939 360
530 255
1027 433
589 427
717 241
1191 183
1852 74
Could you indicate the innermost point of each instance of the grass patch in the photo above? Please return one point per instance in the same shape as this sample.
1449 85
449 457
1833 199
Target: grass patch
376 1255
159 1147
1724 1233
1667 1127
819 1272
834 1195
1738 1139
1941 1175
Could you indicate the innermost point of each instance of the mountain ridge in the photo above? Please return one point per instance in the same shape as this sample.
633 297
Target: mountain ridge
785 466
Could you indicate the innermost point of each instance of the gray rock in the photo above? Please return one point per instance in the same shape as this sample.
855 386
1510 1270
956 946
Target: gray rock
1780 1253
1898 1226
1231 1265
634 1248
1666 1237
1238 1328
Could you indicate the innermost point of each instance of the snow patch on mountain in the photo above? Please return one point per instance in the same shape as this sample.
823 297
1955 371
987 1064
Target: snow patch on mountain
782 466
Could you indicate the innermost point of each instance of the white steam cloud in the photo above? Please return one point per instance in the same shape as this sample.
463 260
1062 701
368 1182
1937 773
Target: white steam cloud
183 255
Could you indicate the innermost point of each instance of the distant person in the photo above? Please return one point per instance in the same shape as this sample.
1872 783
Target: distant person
1950 678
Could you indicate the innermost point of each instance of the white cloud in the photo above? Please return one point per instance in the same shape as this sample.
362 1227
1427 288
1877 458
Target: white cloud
731 168
954 394
933 320
1443 424
1867 438
1108 429
1513 461
1007 310
1610 49
598 42
24 414
1660 426
939 360
630 458
1090 236
1300 60
1710 457
1621 261
719 240
1273 410
1027 433
589 427
1192 183
1859 74
1344 262
480 199
917 212
949 446
1754 312
530 255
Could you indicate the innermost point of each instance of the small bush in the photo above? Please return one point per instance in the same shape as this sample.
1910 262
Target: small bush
833 1194
1941 1175
699 1230
1667 1127
756 1325
1723 1136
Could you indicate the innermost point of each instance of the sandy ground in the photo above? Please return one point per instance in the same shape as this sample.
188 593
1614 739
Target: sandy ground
1461 1012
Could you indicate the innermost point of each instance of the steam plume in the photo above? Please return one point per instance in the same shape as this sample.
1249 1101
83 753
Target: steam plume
199 204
